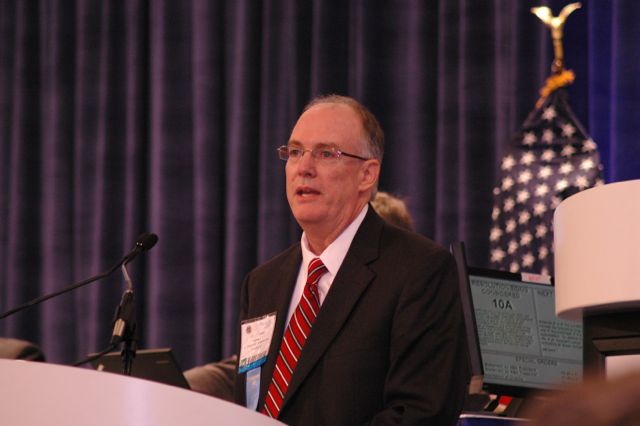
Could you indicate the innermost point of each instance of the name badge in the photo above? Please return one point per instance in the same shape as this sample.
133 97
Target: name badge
255 339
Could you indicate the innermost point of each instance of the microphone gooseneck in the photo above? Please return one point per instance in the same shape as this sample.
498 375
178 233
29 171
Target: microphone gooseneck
124 321
124 325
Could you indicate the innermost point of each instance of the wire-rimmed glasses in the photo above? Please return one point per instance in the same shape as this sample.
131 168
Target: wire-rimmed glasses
322 153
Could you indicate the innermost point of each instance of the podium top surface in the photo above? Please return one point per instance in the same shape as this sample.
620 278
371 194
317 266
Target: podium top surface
34 393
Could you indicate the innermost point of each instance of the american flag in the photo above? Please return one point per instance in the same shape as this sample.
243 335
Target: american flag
550 159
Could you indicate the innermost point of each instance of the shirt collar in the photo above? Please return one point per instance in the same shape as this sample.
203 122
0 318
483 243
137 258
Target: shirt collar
335 253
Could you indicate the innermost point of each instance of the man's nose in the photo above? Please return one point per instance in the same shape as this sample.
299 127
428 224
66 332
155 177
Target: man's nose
306 163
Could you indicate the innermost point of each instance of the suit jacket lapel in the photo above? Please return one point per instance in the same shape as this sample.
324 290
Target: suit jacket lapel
352 279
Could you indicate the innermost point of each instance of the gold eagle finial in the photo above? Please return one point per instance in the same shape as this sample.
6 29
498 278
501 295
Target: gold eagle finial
556 23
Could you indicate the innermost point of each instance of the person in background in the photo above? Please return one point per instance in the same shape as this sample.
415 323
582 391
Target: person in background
217 378
595 402
19 349
359 322
392 209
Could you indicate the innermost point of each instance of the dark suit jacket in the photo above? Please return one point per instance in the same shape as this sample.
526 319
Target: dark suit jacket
388 346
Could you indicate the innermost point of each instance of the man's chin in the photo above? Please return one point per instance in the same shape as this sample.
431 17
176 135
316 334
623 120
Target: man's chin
307 216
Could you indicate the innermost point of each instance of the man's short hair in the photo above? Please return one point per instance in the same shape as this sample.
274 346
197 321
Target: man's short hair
372 129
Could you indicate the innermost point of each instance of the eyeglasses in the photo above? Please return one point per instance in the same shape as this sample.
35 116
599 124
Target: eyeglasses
325 154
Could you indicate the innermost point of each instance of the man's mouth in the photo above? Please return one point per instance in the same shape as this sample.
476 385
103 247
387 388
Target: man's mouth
305 191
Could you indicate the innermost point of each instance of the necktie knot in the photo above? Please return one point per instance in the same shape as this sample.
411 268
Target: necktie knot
316 270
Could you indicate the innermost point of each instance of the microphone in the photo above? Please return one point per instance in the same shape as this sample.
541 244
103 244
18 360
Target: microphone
124 318
144 242
124 322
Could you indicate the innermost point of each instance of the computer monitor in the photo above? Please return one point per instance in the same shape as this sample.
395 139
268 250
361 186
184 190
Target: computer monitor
158 365
517 344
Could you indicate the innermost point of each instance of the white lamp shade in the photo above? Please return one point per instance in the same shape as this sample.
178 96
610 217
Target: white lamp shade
597 250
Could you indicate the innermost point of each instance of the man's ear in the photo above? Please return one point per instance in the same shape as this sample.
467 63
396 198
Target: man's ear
369 173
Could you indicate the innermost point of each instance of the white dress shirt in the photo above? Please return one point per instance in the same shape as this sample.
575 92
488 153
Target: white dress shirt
332 258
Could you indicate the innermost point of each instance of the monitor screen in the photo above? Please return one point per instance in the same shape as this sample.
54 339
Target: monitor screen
514 334
522 341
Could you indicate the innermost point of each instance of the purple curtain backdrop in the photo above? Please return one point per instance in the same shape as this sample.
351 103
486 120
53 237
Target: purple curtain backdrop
123 117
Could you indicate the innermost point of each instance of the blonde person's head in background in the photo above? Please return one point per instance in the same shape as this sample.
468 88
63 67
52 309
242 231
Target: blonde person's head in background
392 209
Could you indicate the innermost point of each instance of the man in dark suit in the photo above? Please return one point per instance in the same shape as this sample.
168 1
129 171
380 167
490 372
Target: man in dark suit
361 319
218 378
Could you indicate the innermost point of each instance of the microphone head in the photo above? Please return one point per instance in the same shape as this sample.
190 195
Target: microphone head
146 241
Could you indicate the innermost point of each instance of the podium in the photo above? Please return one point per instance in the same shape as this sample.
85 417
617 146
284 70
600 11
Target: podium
597 255
34 393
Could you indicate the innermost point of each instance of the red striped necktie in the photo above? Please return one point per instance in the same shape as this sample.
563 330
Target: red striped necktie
294 337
